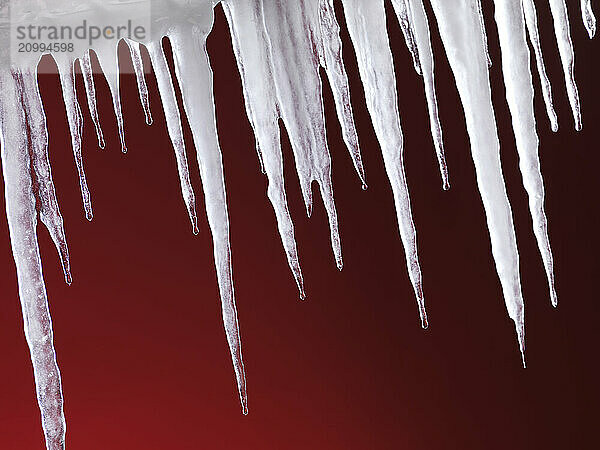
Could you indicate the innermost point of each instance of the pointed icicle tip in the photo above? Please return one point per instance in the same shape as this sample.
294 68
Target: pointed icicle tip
364 187
68 278
521 338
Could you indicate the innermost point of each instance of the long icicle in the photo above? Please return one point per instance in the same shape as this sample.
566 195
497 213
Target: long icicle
589 19
403 12
534 37
456 19
519 95
567 55
49 210
195 78
138 67
90 91
21 215
65 66
252 56
420 27
173 119
366 24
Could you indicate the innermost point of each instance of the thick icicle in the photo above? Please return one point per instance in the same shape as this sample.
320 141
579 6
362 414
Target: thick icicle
519 95
65 66
138 67
293 30
567 55
21 215
47 203
251 52
404 13
173 119
420 27
195 78
534 37
457 19
588 17
366 24
90 90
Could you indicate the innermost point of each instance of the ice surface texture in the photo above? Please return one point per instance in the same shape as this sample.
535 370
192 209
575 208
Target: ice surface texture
280 47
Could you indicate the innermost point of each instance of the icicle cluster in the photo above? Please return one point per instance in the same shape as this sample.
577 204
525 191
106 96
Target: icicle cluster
280 47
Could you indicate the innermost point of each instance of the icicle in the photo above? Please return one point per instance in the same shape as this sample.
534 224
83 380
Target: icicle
589 19
366 24
534 37
49 210
420 27
195 81
90 90
519 95
567 56
404 13
251 52
65 66
484 33
457 19
138 67
21 215
173 119
338 79
108 58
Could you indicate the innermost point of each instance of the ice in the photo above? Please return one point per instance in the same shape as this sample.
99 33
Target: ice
90 90
567 55
534 37
22 219
366 24
467 58
588 17
404 14
519 94
138 67
173 119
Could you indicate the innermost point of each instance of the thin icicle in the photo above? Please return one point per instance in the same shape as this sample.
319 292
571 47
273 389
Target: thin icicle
195 78
251 52
21 215
589 19
65 66
534 37
457 19
90 90
420 27
49 210
338 79
138 67
404 13
109 63
366 24
519 95
567 56
173 119
484 33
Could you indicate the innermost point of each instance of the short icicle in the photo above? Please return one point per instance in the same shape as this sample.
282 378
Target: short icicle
589 19
65 66
366 24
90 91
567 55
403 12
519 95
534 36
195 78
252 55
456 19
173 119
49 211
21 215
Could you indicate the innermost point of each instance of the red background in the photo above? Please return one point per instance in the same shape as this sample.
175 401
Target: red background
139 337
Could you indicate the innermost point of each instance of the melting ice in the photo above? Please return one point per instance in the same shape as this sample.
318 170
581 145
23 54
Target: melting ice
280 47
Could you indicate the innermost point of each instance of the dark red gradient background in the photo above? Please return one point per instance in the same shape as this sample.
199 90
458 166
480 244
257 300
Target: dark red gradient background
139 337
